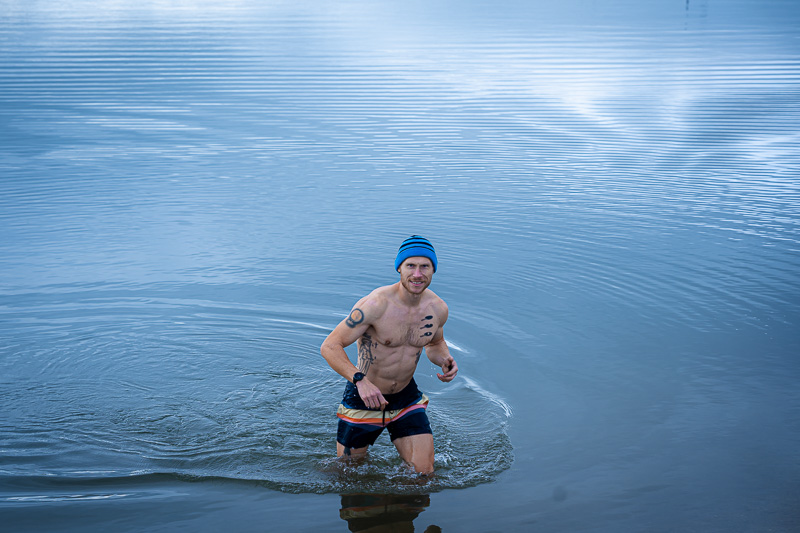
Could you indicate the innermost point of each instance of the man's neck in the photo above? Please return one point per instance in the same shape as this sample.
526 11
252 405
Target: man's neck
408 298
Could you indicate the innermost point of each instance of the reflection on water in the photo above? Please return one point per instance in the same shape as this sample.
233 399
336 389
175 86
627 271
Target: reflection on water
384 513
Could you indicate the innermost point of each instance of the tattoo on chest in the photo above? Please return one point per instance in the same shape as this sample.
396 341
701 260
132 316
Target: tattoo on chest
356 317
365 355
426 326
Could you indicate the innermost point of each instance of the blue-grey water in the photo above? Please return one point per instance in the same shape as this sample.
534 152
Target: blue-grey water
193 193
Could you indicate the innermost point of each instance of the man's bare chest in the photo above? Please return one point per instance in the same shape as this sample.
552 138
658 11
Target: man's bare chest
415 330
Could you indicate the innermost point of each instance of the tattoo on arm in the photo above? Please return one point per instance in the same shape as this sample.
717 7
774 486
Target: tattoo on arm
356 317
426 326
365 355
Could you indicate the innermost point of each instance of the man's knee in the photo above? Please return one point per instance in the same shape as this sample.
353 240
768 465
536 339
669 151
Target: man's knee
425 461
417 451
424 468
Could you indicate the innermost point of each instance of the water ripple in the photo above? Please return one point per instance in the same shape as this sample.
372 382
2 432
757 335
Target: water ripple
205 389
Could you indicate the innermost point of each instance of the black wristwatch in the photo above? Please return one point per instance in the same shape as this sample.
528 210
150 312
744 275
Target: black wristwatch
358 376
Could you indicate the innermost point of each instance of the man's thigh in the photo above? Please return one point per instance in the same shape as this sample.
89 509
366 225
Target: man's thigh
355 452
416 450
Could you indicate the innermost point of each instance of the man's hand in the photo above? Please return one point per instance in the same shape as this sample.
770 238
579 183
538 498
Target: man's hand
450 369
371 395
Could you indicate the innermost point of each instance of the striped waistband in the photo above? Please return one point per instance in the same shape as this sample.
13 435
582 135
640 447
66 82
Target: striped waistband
378 418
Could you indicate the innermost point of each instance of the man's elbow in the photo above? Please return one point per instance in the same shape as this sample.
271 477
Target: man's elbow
329 348
324 348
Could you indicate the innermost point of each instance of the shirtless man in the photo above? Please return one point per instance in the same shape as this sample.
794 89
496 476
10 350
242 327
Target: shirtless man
392 325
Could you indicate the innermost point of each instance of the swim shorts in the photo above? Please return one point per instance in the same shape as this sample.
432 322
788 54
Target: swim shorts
404 416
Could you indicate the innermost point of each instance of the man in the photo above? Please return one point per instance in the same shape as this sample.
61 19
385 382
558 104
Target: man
392 325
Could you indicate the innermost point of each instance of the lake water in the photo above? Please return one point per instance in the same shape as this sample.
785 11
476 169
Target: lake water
194 193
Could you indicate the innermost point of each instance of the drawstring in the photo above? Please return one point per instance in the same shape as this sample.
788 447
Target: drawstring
383 422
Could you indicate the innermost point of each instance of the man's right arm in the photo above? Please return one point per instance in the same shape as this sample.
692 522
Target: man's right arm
346 333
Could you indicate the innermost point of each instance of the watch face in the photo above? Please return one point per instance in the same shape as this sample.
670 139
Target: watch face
358 376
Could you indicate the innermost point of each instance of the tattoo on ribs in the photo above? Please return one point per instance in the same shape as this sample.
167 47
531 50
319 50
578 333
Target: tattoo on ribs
356 317
418 354
365 355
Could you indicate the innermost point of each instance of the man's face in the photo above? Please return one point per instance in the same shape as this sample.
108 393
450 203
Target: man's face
416 273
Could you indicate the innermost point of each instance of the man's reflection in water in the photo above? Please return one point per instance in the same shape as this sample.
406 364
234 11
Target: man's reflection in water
384 513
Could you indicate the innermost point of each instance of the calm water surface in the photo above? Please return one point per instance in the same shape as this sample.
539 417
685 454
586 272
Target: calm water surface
193 194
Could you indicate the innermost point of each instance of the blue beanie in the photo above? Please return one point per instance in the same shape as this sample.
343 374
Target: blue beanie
415 246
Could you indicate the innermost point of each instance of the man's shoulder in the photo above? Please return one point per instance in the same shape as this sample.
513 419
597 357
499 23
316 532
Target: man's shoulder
436 302
434 298
374 303
380 295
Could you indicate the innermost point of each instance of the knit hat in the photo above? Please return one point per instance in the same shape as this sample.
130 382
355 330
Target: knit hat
415 246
